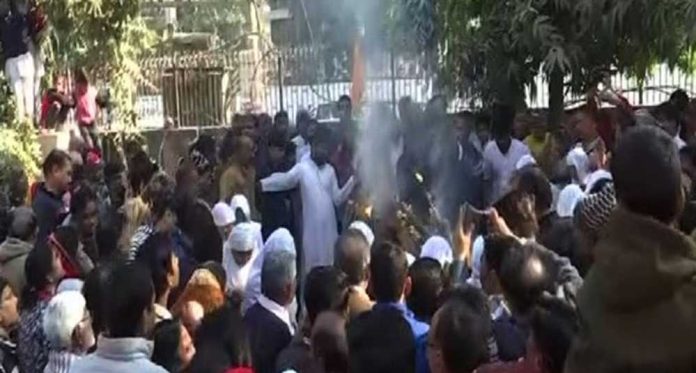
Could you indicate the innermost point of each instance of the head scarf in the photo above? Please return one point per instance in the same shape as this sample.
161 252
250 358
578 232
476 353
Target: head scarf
365 229
437 248
578 159
568 199
281 239
239 201
223 215
243 238
203 288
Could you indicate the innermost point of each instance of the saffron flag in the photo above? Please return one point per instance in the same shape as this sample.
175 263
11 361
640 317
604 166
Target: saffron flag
358 74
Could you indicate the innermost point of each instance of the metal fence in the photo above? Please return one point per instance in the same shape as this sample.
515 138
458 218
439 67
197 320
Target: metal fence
206 88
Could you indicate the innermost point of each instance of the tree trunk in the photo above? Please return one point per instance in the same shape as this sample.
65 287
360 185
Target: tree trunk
555 98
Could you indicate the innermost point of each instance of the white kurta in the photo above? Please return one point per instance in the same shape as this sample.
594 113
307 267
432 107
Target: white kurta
502 166
320 194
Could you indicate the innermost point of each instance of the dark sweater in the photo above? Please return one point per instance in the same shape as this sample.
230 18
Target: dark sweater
268 336
49 210
14 29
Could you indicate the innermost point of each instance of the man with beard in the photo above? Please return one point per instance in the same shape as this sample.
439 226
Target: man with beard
320 194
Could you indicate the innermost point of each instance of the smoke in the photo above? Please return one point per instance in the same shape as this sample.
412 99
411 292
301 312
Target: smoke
377 152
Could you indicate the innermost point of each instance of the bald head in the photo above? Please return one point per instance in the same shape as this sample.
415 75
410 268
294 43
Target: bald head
23 226
526 273
351 255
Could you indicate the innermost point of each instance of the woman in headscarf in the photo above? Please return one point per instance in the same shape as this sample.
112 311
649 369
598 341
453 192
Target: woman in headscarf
242 213
239 252
203 288
281 239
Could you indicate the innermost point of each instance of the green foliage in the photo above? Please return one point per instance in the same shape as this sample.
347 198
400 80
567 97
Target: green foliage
19 146
19 149
495 48
106 37
225 19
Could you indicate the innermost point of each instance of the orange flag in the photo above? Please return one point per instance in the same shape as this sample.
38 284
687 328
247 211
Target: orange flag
358 74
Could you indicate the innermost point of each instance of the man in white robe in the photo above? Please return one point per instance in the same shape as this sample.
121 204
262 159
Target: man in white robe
320 195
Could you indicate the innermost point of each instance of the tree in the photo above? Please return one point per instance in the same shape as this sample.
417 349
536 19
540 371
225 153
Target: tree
224 18
495 48
106 37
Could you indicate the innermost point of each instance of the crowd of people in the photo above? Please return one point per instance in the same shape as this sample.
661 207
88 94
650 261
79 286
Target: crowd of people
538 250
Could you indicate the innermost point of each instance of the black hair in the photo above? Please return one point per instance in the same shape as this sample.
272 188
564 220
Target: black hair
82 195
130 295
326 289
55 158
513 208
635 187
224 328
95 293
680 99
462 330
226 146
278 138
113 170
217 270
388 272
37 270
160 195
428 281
140 171
502 119
345 98
533 182
666 111
107 236
350 254
495 248
282 114
22 223
554 325
209 358
525 274
322 135
69 240
330 345
166 338
156 255
381 341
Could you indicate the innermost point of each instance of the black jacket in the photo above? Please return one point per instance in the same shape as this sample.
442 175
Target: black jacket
268 336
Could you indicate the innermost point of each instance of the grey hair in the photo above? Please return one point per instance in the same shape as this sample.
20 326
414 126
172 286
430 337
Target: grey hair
278 270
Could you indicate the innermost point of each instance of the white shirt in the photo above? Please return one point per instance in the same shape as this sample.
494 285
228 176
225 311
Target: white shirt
320 196
302 148
278 311
502 166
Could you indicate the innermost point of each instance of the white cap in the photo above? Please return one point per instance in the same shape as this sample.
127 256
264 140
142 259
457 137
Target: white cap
242 238
526 160
241 202
363 228
223 215
437 248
